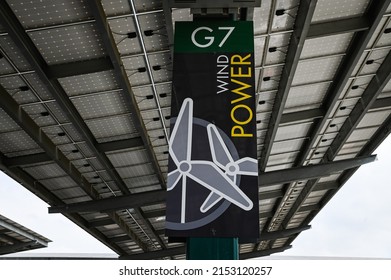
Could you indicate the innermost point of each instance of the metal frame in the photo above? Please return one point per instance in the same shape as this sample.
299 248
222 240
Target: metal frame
374 88
79 68
25 122
302 25
113 203
266 179
357 47
23 232
284 192
18 34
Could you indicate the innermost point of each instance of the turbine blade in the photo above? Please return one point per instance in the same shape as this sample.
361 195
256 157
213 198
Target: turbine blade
232 178
248 166
180 140
220 153
210 201
173 178
211 177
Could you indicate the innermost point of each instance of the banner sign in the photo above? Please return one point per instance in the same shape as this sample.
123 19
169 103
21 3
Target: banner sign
212 184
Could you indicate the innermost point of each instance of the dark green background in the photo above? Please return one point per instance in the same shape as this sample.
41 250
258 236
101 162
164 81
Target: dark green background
241 39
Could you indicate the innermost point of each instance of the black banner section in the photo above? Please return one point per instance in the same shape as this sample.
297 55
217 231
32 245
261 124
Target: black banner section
213 170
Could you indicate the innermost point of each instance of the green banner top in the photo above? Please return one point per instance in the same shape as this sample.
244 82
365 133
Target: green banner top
214 36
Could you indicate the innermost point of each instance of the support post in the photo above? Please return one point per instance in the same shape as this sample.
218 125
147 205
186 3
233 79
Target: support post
212 248
223 48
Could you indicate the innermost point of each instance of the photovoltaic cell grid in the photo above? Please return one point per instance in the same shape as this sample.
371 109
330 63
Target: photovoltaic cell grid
17 238
101 98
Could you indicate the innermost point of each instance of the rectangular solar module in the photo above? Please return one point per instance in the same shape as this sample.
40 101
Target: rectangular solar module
85 98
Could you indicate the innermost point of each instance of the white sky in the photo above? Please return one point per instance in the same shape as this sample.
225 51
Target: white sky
355 223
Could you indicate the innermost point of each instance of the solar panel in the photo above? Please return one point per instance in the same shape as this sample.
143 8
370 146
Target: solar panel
85 107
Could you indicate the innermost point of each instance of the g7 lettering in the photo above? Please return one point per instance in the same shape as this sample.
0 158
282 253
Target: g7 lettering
209 40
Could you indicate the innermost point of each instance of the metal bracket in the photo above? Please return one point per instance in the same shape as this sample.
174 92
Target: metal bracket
216 9
214 3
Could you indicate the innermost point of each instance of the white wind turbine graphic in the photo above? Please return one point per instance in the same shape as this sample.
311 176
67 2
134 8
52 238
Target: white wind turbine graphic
223 159
205 173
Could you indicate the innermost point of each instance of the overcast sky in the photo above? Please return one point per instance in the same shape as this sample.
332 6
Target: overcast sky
355 223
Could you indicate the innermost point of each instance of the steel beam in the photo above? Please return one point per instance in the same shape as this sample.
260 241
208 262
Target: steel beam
373 15
105 147
337 27
169 26
19 175
136 142
118 145
313 114
40 190
33 56
380 135
28 159
121 238
24 233
160 231
7 238
381 103
326 186
313 207
155 213
264 215
308 188
311 171
271 194
302 24
22 246
302 115
282 233
314 172
111 47
100 223
297 205
374 88
16 31
112 203
43 157
265 179
79 68
18 114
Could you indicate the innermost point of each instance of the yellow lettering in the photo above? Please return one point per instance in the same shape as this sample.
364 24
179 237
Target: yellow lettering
250 114
241 114
240 73
238 91
241 133
238 59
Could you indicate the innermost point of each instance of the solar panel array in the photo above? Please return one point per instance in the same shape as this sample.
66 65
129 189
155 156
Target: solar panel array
16 238
85 90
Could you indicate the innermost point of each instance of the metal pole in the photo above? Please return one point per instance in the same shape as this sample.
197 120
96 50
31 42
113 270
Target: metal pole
212 248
